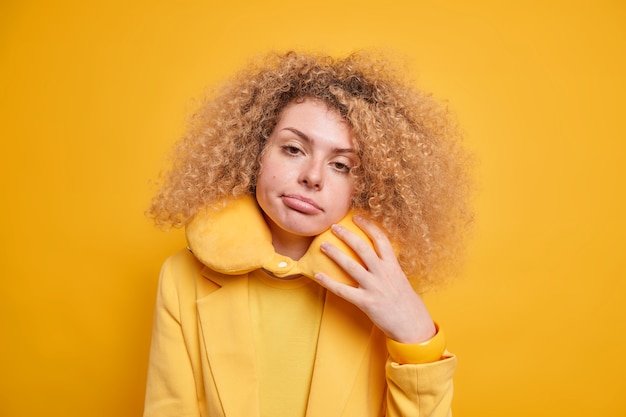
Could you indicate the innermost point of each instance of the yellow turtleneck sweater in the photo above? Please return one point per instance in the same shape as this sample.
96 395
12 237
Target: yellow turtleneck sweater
286 316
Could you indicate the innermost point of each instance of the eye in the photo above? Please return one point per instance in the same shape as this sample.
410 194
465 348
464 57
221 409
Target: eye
340 166
291 150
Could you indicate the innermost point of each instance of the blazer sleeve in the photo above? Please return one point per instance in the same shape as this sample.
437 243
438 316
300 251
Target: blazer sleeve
420 390
170 388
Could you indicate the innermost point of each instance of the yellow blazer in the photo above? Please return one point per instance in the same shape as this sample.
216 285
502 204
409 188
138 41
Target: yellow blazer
202 360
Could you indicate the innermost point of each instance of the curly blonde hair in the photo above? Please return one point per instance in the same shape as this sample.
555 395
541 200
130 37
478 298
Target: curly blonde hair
412 178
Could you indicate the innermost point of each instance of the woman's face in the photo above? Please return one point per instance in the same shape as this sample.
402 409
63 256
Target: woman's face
304 185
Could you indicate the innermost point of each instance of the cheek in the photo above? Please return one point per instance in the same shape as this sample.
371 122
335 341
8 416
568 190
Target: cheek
269 167
347 192
263 171
266 178
350 189
260 181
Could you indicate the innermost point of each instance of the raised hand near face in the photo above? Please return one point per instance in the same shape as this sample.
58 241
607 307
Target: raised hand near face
384 292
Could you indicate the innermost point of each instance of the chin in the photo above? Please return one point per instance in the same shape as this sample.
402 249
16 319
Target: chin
306 231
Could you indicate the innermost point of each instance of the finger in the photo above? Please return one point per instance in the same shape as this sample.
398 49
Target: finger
345 262
377 236
344 291
364 251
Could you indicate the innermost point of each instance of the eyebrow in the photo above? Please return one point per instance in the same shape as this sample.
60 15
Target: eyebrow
304 137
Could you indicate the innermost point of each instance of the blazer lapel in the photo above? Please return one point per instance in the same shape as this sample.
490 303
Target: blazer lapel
227 334
343 341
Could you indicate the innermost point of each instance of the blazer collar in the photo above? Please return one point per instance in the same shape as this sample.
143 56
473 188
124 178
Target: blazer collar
226 326
345 338
234 239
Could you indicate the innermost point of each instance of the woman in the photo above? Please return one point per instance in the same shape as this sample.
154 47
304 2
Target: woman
310 189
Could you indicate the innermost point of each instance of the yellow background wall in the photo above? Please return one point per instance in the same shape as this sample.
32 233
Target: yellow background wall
92 96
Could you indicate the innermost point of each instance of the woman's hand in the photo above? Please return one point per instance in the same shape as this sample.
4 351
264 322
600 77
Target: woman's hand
384 292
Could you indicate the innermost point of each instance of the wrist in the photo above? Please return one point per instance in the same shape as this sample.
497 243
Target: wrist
427 351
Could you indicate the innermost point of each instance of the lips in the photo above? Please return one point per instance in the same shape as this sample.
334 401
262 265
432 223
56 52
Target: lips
301 204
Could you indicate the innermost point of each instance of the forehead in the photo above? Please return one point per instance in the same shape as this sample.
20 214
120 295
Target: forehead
315 120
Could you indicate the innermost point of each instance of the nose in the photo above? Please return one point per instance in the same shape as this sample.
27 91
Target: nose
312 175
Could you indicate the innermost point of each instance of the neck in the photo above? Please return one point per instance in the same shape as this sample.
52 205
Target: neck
292 246
288 244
